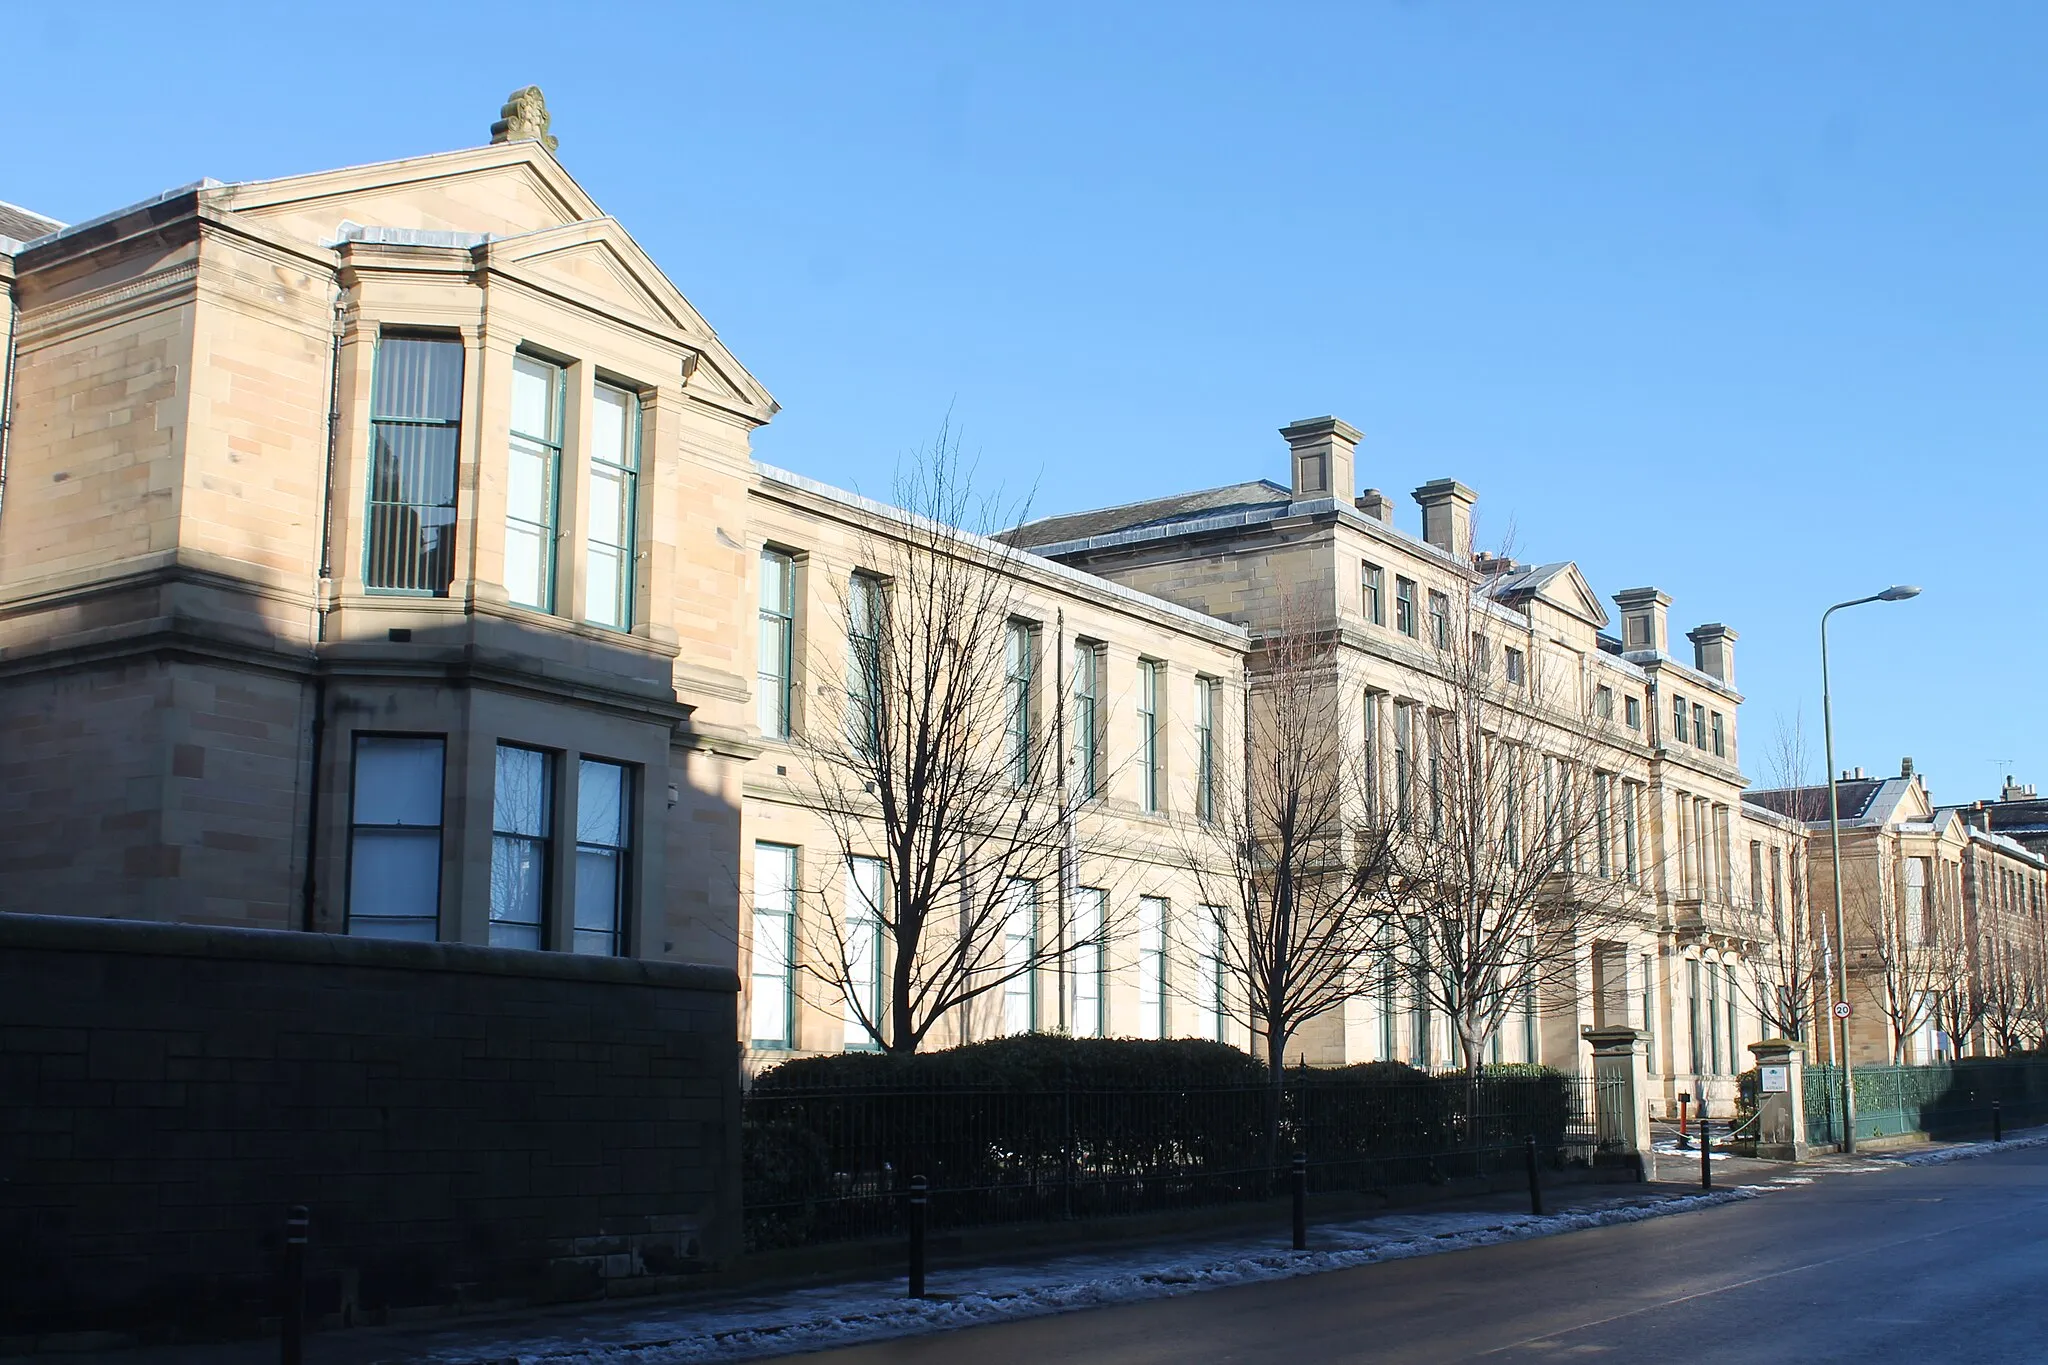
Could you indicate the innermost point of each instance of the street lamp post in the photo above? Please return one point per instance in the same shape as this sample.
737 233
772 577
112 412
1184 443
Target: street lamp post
1897 593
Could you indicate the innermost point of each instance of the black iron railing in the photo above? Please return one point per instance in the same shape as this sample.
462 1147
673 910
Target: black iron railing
833 1164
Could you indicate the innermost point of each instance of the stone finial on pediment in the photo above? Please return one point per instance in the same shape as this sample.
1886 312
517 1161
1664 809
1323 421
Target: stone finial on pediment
524 116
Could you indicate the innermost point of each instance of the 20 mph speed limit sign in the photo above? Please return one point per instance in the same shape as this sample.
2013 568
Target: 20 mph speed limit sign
1841 1009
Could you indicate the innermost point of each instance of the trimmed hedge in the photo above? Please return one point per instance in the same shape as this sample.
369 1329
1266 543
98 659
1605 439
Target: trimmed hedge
1025 1062
1047 1126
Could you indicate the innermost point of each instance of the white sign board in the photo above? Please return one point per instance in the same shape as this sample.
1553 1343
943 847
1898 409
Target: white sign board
1841 1009
1777 1080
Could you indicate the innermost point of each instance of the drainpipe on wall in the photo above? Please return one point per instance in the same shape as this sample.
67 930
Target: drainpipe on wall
1065 796
7 388
323 602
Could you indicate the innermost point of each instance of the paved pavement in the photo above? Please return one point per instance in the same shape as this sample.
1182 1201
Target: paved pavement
1922 1264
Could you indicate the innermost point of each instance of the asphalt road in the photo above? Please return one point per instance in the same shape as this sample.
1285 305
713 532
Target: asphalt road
1921 1264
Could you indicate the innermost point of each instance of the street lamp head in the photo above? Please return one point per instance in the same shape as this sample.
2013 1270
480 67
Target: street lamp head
1898 593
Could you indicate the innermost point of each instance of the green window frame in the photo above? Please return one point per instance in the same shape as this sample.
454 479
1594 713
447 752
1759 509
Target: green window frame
865 606
415 459
867 881
604 848
1404 606
522 846
777 643
1087 705
771 971
533 478
395 855
1152 916
1018 639
1205 748
1149 672
1692 983
1372 587
1020 956
612 521
1090 1017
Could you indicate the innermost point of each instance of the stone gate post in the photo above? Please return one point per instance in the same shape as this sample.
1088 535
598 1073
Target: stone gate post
1781 1100
1622 1070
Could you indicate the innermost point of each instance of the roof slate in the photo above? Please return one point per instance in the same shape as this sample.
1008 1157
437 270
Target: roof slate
25 225
1811 803
1236 497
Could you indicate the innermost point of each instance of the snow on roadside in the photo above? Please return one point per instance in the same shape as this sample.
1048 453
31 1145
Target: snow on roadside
843 1315
1965 1150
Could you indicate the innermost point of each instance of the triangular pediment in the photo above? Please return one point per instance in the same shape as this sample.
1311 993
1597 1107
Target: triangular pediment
1560 586
1913 804
584 262
507 189
598 263
1569 592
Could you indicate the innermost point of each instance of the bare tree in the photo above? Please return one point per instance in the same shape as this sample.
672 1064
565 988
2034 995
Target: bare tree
1505 867
1905 950
1295 856
1791 971
2012 995
938 772
1958 1001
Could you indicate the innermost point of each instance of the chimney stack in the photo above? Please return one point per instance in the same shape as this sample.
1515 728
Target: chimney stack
1645 620
1324 457
1713 651
1906 766
1376 505
1447 516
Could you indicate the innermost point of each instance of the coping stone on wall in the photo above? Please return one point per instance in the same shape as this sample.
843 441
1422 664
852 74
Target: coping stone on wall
80 933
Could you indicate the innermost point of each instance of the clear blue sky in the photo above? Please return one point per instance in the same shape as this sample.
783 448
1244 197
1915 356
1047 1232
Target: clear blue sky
1742 301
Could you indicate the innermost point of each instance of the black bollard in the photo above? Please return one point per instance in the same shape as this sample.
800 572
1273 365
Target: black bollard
1535 1190
1706 1153
292 1323
918 1193
1997 1123
1300 1202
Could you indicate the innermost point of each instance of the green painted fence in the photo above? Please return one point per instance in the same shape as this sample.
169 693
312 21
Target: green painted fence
1952 1101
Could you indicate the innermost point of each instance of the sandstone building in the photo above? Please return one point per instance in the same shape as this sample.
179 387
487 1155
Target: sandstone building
1942 916
382 552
